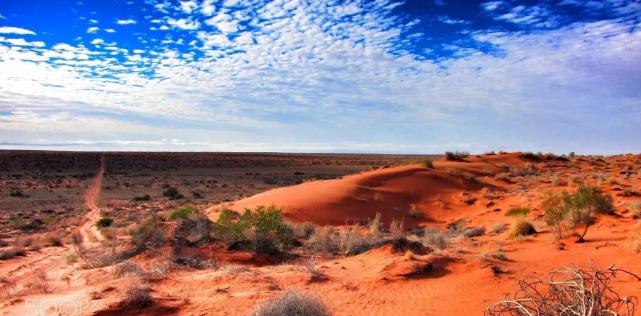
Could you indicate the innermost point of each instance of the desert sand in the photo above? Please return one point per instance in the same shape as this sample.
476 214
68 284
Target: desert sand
464 277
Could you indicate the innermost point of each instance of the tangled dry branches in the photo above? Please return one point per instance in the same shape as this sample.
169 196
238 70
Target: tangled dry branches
571 292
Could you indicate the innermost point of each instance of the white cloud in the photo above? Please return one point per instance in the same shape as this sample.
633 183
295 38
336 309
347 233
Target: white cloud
21 42
184 24
97 41
188 6
110 30
126 21
208 7
301 70
15 30
92 30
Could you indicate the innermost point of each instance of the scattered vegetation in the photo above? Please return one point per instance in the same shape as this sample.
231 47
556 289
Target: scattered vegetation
433 237
474 232
12 252
517 211
292 303
173 194
183 212
521 226
104 222
428 163
149 233
456 155
568 292
141 198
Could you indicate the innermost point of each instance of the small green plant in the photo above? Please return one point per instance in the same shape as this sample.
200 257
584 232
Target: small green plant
173 194
428 163
104 222
182 213
517 212
148 233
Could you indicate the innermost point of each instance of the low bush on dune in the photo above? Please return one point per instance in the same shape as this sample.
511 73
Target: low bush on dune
138 294
428 163
292 303
456 155
573 209
474 232
517 211
260 226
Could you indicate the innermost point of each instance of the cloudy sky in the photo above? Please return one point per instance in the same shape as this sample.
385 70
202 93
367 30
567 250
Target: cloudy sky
415 76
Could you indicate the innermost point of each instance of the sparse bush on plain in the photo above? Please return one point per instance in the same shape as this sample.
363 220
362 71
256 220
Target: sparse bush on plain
456 155
141 198
292 303
173 194
304 230
104 222
138 294
428 163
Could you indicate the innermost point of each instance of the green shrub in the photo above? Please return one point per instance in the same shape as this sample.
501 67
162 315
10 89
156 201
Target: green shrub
172 194
584 204
262 223
517 212
456 155
428 163
104 222
183 212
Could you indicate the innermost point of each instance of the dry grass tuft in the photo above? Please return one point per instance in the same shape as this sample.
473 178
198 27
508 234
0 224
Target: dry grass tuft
292 303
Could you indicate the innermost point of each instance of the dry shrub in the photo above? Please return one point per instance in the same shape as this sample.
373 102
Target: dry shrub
396 230
433 237
12 252
127 268
309 266
521 228
53 240
39 283
474 232
499 228
324 240
568 292
292 303
304 230
138 294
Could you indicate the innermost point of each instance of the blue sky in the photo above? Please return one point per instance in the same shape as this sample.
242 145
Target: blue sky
321 76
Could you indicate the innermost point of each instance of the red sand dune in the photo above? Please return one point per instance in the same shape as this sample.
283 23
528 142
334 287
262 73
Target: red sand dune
393 192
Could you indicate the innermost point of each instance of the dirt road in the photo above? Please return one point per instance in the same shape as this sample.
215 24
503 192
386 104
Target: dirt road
88 230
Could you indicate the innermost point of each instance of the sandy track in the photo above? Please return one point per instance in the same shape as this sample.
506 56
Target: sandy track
88 230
